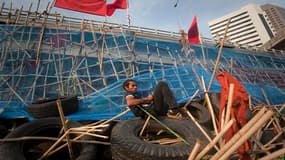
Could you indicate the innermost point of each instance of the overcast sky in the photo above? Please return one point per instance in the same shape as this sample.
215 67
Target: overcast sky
161 14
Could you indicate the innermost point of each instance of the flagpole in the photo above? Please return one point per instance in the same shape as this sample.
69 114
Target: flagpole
202 48
201 45
105 18
128 15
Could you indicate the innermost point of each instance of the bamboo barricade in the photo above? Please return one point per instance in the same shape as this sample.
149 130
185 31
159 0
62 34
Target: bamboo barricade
246 135
90 130
242 131
50 151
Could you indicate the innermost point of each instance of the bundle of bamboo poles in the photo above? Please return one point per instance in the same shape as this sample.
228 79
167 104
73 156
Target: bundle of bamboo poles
266 118
89 129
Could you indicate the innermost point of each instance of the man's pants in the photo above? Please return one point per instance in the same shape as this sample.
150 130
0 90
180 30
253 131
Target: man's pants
163 99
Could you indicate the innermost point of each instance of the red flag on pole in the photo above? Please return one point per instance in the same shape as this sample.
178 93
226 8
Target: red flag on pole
97 7
193 32
118 4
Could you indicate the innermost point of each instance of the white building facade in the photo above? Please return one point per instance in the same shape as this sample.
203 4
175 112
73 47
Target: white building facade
248 26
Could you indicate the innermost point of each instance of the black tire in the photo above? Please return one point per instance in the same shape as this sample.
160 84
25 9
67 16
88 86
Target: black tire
200 113
33 149
3 131
127 145
48 107
215 101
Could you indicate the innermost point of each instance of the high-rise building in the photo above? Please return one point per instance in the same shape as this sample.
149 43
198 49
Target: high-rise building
248 26
276 15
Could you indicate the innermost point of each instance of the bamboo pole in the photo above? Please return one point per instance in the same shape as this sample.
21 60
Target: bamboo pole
195 150
86 127
15 93
54 145
258 144
230 102
28 14
190 100
10 14
165 126
250 103
50 139
265 96
201 128
273 139
145 123
89 134
164 141
65 128
19 14
117 116
216 139
42 33
210 107
245 136
219 55
222 121
242 131
274 154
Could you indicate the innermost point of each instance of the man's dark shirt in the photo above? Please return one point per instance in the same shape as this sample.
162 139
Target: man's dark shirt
135 109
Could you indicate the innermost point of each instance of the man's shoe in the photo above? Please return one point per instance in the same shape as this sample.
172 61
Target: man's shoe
174 114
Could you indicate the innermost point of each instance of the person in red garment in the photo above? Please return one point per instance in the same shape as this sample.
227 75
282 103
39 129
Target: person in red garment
161 103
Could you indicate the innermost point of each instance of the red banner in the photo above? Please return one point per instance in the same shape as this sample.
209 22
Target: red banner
118 4
193 32
97 7
238 110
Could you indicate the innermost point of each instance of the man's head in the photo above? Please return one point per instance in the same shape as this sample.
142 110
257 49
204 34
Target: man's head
130 85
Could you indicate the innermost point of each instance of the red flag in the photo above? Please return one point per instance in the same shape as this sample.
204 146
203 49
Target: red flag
238 110
97 7
193 32
118 4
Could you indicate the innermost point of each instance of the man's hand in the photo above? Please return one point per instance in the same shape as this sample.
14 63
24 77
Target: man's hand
131 101
149 97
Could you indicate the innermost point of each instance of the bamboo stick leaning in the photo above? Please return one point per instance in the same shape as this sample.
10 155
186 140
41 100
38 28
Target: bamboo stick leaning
195 150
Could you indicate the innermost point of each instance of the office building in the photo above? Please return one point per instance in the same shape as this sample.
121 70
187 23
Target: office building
248 26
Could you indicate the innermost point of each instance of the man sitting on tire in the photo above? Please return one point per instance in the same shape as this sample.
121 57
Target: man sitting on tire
161 103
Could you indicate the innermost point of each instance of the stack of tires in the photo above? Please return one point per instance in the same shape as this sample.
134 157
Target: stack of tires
33 149
128 145
48 107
